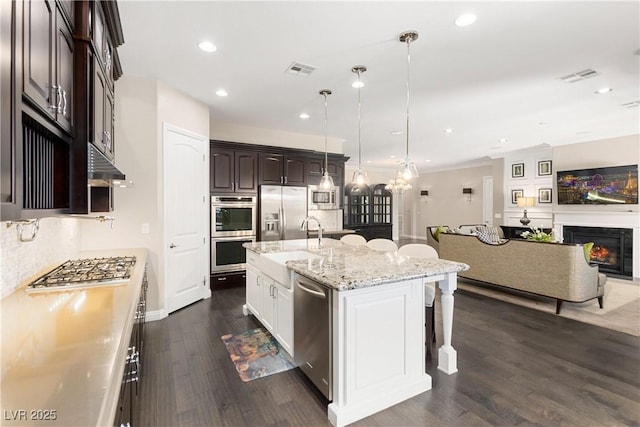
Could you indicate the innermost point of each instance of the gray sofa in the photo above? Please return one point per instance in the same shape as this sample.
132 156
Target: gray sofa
554 270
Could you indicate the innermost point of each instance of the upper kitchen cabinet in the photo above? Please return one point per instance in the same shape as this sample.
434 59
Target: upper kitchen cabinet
232 171
282 169
47 53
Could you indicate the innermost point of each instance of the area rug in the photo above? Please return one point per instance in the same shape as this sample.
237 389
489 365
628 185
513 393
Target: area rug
621 310
256 354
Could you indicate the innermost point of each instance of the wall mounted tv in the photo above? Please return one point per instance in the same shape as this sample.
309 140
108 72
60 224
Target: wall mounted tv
616 185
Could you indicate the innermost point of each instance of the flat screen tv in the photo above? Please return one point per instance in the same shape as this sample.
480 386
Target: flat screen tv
616 185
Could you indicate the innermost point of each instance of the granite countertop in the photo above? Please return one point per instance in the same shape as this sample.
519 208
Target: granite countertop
344 267
64 352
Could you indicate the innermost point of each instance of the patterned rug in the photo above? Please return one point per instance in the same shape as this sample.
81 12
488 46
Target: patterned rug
621 304
256 354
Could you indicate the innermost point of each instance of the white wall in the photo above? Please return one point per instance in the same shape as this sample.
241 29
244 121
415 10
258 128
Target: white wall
142 105
251 135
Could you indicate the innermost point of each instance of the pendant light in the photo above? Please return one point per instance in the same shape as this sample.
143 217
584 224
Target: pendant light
359 176
326 183
409 169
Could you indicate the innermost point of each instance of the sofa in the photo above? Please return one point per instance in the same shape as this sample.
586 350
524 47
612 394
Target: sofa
553 270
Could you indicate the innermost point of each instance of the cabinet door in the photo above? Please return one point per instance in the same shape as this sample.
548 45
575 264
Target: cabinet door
295 171
268 304
64 72
38 50
254 292
284 318
270 169
109 124
99 93
221 171
246 172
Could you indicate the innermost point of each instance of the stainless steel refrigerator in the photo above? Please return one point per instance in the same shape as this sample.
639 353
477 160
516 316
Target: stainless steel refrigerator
282 210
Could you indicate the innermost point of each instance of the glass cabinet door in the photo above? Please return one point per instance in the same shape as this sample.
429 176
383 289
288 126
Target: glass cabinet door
358 204
381 205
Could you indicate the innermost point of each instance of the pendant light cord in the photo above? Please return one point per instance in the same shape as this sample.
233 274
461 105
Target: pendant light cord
408 92
359 144
325 134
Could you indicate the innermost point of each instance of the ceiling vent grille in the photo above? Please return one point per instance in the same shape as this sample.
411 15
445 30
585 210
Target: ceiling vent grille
579 76
631 104
300 69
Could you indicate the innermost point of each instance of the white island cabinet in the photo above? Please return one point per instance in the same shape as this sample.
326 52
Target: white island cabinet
378 355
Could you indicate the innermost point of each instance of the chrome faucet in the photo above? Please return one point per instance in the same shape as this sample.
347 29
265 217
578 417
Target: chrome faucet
305 224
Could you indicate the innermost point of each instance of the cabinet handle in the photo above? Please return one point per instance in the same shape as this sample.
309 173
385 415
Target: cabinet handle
221 279
64 98
285 179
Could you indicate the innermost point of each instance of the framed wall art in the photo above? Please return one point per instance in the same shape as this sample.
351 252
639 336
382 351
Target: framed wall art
517 170
544 167
515 194
544 195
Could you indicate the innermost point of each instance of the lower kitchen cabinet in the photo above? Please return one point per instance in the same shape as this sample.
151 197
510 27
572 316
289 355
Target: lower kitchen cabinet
270 302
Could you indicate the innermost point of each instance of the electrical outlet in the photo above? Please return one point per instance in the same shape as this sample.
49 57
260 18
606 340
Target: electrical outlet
497 216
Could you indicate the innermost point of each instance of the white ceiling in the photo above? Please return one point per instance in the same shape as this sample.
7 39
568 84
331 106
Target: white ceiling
498 78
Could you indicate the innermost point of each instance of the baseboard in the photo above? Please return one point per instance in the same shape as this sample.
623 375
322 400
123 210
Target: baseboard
152 316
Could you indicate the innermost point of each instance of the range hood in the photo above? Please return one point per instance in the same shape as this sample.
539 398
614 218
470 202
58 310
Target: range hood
100 171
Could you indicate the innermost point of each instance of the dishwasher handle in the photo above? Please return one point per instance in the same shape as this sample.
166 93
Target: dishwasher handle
311 288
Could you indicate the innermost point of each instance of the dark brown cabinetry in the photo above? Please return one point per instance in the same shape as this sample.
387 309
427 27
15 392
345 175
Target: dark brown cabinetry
51 105
232 171
48 61
369 211
282 169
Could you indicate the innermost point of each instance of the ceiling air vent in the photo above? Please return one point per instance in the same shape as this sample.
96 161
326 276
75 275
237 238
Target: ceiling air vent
300 69
579 76
631 104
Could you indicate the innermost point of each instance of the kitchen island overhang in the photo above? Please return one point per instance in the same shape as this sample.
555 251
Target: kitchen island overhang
378 317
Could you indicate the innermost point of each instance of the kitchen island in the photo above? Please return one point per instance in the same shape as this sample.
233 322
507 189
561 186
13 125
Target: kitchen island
377 334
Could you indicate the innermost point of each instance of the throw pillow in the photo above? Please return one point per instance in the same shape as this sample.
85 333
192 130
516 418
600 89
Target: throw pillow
440 229
587 251
488 236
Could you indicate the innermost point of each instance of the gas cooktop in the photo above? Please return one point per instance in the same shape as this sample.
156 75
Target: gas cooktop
85 273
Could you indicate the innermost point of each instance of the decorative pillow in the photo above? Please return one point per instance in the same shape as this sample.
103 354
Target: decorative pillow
440 229
488 235
587 251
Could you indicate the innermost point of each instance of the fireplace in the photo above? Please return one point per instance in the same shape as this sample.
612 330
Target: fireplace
612 248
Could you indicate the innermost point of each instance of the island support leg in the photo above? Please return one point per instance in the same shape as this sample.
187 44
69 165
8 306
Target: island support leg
447 355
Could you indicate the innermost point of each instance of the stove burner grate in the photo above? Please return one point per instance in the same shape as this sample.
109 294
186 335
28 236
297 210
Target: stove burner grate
84 273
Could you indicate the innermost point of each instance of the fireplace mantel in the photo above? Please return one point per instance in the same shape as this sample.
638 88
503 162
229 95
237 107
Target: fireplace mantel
602 219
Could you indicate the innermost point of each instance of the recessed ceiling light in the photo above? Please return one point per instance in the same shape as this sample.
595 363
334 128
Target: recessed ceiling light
466 19
357 84
304 116
427 160
448 130
396 132
392 156
542 123
368 161
502 140
604 90
207 46
221 92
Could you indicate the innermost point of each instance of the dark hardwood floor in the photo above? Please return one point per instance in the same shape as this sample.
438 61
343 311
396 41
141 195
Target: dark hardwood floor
517 366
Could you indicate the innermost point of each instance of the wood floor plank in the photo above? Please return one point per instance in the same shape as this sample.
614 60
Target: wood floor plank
517 366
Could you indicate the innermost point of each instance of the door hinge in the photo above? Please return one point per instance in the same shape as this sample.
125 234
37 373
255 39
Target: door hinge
204 282
204 240
203 159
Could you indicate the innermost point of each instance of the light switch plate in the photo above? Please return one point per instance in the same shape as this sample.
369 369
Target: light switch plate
144 229
497 216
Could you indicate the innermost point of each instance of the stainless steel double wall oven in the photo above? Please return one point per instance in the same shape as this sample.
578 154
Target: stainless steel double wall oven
233 222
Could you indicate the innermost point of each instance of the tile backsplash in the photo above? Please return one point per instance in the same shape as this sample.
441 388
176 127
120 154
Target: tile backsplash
58 239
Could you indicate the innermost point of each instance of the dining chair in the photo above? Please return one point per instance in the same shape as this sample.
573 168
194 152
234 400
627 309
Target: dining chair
383 245
353 240
420 250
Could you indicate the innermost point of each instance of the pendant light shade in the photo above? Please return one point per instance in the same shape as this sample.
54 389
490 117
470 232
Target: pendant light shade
359 176
409 169
326 183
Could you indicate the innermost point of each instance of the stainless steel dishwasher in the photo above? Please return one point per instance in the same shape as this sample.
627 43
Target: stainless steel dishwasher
312 332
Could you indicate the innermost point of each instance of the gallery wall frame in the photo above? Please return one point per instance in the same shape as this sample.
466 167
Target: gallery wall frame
544 195
517 170
515 194
544 168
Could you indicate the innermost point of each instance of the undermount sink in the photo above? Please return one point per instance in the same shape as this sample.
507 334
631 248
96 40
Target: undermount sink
274 264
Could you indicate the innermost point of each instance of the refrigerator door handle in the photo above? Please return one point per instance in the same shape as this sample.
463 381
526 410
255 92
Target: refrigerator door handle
282 221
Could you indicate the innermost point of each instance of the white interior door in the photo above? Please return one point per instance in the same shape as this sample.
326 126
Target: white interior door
487 200
186 217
